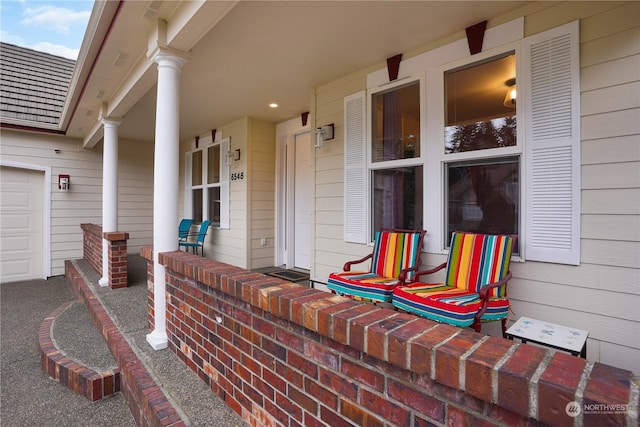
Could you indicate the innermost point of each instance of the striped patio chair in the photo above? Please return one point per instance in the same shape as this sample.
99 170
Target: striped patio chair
475 286
394 261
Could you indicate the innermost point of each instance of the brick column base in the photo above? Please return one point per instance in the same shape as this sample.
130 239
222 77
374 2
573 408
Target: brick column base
92 253
117 258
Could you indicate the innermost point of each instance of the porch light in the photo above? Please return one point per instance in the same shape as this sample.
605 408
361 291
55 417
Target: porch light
323 133
510 97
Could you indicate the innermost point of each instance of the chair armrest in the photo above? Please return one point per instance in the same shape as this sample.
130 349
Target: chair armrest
433 270
402 277
485 289
348 264
485 298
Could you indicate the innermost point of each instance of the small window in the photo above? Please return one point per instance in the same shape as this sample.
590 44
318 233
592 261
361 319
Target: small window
483 197
480 106
397 198
395 123
207 184
213 164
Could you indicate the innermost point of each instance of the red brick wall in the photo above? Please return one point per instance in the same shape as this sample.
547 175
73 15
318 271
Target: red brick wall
92 253
282 354
118 265
92 245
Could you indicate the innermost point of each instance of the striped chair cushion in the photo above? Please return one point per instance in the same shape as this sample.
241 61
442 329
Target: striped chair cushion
393 252
447 304
362 285
476 260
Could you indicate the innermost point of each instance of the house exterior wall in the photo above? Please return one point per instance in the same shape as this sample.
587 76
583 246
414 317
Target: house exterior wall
230 245
251 196
602 294
83 202
261 187
330 251
135 192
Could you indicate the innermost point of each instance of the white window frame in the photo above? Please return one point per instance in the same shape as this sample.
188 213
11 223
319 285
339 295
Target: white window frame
501 39
487 154
223 184
399 163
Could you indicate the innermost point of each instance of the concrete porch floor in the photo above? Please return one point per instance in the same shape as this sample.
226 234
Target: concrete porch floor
29 397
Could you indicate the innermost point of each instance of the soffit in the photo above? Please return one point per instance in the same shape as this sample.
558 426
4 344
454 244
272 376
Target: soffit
123 48
266 51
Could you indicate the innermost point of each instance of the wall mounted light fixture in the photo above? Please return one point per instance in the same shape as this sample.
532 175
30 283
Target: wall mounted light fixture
324 133
510 97
64 182
233 156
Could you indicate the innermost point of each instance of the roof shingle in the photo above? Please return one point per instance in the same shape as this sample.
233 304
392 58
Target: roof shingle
33 85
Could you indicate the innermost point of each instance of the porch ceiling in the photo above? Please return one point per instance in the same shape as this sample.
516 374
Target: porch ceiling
256 53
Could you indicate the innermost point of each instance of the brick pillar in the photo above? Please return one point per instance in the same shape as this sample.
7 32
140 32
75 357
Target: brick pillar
117 242
147 253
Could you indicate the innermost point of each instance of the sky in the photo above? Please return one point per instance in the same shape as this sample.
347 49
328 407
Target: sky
53 26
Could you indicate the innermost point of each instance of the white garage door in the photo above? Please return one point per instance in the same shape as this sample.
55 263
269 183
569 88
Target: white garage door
21 224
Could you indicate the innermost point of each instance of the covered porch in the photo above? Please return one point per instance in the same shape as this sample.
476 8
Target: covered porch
277 353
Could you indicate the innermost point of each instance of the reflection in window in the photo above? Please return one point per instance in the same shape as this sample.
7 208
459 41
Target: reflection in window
196 169
483 197
214 205
213 165
477 115
397 198
483 191
197 205
395 123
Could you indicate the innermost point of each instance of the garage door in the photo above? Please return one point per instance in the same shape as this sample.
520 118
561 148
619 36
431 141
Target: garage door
21 224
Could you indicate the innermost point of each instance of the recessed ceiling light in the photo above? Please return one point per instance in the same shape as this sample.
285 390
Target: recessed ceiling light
273 105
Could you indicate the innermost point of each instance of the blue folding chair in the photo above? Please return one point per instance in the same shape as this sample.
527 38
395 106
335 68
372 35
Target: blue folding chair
199 242
183 229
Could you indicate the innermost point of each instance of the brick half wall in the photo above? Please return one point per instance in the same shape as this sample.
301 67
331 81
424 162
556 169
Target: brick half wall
282 354
92 245
92 238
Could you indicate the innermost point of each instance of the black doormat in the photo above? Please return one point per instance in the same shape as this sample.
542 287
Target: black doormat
290 275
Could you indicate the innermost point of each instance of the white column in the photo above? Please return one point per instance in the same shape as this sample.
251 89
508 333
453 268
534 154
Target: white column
109 190
165 183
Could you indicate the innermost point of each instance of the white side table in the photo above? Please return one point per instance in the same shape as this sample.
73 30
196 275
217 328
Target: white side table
551 335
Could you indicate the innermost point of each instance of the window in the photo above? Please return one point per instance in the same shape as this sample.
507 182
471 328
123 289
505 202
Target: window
395 163
207 195
450 153
481 178
397 198
483 196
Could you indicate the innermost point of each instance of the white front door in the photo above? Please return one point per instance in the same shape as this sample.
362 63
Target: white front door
294 195
21 224
302 200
